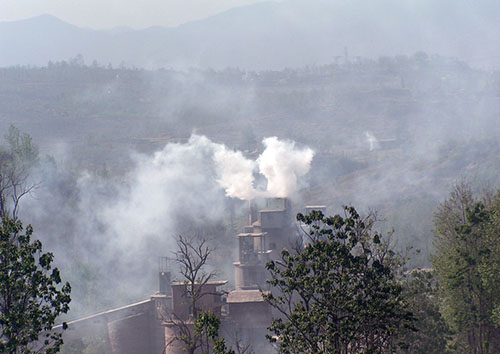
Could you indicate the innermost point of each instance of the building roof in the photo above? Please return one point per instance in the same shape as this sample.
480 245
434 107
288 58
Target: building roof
252 234
215 282
252 265
241 296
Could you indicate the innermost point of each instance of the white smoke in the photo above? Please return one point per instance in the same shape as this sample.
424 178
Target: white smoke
178 180
191 176
282 163
235 172
181 180
372 141
199 162
120 226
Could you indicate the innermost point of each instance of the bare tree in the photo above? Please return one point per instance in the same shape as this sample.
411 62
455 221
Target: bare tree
14 185
15 165
192 256
240 344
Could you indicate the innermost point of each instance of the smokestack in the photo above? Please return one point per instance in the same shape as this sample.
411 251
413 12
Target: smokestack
164 277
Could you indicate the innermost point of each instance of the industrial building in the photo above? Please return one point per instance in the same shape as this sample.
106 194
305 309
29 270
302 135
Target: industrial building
153 326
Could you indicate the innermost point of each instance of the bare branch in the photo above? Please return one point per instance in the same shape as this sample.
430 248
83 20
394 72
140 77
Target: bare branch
192 255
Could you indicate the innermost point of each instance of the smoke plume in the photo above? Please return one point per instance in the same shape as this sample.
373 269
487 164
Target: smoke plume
235 172
282 163
372 141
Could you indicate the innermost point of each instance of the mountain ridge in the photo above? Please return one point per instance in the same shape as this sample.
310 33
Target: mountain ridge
269 35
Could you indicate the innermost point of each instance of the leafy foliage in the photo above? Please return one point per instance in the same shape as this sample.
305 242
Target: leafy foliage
467 266
421 291
30 299
207 326
339 292
21 146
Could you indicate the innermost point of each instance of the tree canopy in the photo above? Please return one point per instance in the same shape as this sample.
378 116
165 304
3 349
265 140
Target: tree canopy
432 333
339 292
467 266
30 296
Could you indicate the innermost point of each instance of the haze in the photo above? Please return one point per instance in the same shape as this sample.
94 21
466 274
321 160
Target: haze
160 118
107 14
258 36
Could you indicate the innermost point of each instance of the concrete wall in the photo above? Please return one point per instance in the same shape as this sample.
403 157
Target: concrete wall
250 314
181 303
134 328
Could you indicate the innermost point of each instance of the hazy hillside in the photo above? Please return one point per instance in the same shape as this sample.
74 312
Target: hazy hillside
392 134
291 33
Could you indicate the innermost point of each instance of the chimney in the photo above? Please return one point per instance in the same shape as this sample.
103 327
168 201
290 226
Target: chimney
164 276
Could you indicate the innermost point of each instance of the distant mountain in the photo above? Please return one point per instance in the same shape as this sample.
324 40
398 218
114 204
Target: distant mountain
272 35
37 40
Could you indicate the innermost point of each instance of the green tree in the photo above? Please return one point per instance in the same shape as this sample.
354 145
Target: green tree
489 269
339 292
21 146
421 291
207 326
200 332
467 266
30 296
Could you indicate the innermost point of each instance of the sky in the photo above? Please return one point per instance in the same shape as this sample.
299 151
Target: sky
105 14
